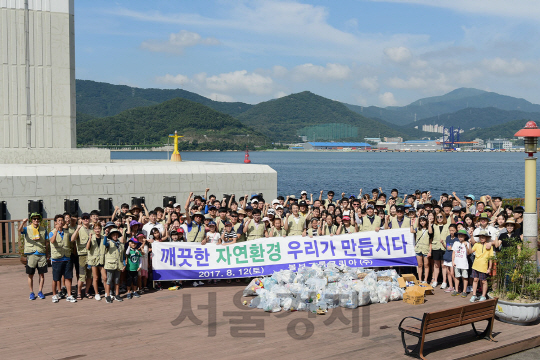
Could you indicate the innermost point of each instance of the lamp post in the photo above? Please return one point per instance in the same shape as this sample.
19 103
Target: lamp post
530 133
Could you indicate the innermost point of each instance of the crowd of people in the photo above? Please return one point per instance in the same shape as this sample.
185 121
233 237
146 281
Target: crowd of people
455 238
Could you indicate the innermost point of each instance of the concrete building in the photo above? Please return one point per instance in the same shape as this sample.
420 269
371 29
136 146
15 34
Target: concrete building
499 144
37 73
411 145
393 139
336 146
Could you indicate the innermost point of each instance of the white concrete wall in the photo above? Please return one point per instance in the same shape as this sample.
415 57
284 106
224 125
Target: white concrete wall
52 74
122 181
54 156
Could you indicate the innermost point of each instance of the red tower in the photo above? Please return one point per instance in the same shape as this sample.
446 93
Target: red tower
246 158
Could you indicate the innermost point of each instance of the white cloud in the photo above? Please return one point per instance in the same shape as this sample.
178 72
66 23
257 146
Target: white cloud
173 79
398 54
387 99
411 83
178 42
330 72
510 67
280 94
279 71
236 82
370 83
529 9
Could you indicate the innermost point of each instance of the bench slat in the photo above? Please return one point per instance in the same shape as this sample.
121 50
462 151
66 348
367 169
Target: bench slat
446 318
485 313
472 320
487 304
443 313
413 329
443 327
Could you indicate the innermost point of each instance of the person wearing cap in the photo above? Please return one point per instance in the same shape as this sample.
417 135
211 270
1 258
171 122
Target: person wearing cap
196 231
482 264
303 197
212 237
255 228
114 264
96 256
81 236
133 257
456 214
212 212
61 257
370 222
295 223
460 251
35 238
346 226
468 203
400 221
275 203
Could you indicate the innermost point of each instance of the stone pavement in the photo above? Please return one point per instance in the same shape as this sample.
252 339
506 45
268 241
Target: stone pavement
150 327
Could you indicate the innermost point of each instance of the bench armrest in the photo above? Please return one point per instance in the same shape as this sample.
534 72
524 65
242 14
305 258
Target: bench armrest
408 317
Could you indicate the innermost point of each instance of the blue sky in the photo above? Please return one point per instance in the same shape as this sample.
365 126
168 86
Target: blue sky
363 52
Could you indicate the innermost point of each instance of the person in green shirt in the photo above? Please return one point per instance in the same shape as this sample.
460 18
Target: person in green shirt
35 238
133 254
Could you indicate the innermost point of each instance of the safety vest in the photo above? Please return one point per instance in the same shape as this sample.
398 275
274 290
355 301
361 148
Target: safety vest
406 224
255 232
368 226
348 230
84 236
61 246
327 230
96 254
293 227
36 244
197 233
278 233
220 224
422 241
241 237
114 256
439 235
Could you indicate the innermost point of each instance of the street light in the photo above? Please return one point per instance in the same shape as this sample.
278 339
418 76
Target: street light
530 133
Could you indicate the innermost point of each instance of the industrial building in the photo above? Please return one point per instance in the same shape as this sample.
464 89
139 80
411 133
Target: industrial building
336 146
411 145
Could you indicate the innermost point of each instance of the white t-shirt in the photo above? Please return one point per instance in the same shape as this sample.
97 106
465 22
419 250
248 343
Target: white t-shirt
460 251
213 238
149 226
491 231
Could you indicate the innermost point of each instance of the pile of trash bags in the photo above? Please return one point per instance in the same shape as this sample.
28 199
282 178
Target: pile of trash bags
322 287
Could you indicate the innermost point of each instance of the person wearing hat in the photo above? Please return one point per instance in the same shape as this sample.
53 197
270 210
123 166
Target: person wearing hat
400 221
212 212
196 231
456 214
370 222
468 203
212 237
35 238
482 264
133 257
460 251
114 264
518 214
61 257
513 232
303 197
81 236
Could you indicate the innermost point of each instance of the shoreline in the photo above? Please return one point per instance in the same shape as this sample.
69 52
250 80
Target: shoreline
316 151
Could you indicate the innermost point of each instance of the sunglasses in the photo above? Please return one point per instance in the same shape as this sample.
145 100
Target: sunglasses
440 217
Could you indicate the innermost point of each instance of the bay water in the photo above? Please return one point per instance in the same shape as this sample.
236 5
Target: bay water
493 173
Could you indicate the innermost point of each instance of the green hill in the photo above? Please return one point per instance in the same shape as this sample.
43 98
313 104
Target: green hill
153 124
501 131
102 99
471 118
451 102
285 118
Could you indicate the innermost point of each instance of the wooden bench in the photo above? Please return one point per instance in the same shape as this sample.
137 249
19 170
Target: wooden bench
447 319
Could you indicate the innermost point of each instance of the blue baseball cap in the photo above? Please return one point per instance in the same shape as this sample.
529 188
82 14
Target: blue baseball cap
470 196
212 223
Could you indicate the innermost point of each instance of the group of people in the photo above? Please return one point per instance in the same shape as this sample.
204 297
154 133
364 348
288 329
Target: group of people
454 238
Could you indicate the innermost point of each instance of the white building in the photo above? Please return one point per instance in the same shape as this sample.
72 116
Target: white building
499 144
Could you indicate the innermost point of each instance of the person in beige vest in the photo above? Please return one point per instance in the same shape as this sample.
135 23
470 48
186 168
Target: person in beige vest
35 239
439 230
328 227
61 258
295 223
400 221
81 236
346 226
277 228
255 229
371 222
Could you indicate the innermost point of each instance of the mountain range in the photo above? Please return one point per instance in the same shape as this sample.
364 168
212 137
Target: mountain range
127 111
